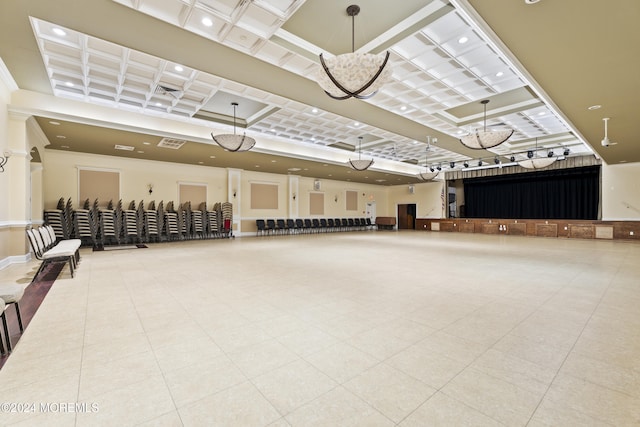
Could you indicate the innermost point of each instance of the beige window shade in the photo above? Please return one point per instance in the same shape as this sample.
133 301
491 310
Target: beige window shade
196 194
264 196
316 203
101 185
352 200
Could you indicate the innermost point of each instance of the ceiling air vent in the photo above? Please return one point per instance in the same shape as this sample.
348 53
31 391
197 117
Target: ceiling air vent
124 147
167 90
171 143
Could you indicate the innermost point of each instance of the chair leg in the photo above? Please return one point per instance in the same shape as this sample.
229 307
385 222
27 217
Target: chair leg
6 332
1 345
19 317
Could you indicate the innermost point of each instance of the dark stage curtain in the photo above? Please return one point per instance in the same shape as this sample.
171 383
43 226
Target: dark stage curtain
555 194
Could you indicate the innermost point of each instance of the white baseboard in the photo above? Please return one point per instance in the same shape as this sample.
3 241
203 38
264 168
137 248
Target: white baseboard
15 259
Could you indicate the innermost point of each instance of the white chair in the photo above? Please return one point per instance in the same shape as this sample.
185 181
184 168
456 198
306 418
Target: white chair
56 253
11 294
4 324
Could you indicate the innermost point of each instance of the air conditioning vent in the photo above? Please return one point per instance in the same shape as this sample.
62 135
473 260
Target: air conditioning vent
171 143
124 147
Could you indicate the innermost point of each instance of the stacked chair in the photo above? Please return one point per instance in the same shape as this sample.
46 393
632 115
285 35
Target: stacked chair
96 226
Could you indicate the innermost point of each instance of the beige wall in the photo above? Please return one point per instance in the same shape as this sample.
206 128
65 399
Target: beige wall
61 178
620 194
426 196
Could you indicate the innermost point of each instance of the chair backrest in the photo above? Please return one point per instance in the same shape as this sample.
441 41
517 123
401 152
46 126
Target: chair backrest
37 250
315 222
260 224
330 222
280 223
345 222
52 233
38 237
299 223
271 223
291 223
307 223
323 222
46 238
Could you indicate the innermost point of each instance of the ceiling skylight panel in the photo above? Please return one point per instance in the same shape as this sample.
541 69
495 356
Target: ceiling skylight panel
411 47
224 7
166 10
259 21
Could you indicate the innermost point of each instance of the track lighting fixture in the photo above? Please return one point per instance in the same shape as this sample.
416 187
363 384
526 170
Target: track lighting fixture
466 164
550 153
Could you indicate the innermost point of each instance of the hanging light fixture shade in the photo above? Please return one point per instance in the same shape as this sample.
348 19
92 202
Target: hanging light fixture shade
481 139
353 75
233 142
537 162
428 174
360 164
534 161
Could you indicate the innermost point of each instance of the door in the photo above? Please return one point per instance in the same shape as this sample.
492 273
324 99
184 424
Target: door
371 212
407 217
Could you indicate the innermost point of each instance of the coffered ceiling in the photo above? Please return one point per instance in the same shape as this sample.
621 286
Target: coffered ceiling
186 61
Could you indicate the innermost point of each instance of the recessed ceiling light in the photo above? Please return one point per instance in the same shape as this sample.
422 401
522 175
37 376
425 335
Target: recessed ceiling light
200 163
61 137
146 143
622 161
140 151
499 74
415 142
207 22
314 111
178 68
463 39
325 164
54 123
330 175
212 157
404 107
158 104
356 124
64 146
124 147
306 169
294 169
59 32
595 107
68 84
542 113
257 166
273 161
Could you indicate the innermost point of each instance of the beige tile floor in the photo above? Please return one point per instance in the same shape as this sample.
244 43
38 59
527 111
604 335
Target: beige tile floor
343 329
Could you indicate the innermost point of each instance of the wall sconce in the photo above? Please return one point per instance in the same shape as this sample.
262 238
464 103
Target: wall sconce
234 194
150 186
3 160
294 196
335 199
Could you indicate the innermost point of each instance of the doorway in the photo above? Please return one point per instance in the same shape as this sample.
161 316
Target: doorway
407 217
371 212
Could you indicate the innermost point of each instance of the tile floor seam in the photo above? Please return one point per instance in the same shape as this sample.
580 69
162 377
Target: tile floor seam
604 292
155 357
84 331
